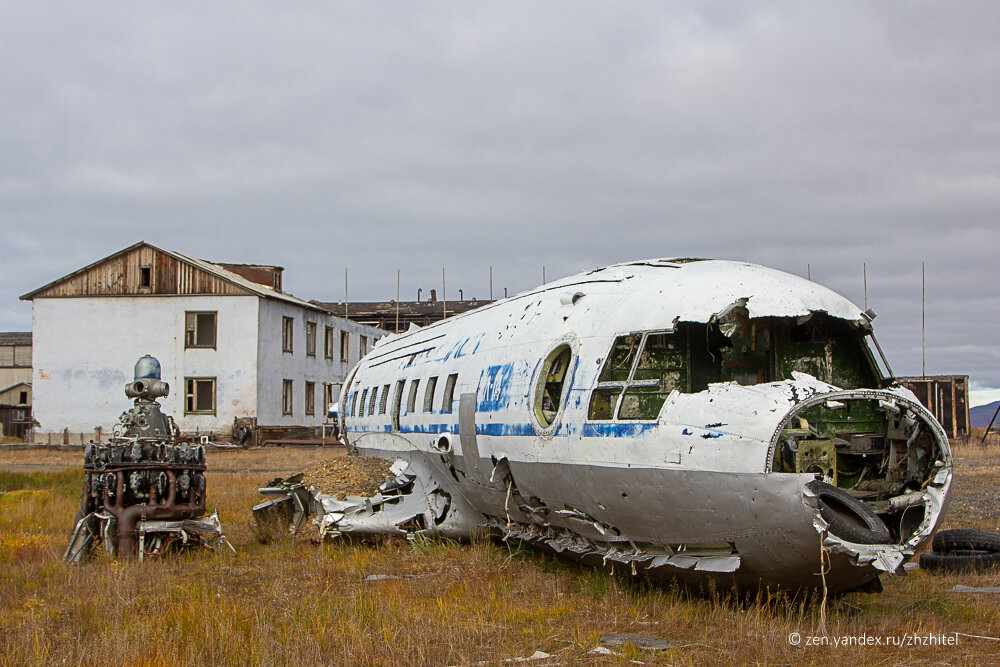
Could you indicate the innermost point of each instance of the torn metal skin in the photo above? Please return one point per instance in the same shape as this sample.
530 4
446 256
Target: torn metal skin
708 421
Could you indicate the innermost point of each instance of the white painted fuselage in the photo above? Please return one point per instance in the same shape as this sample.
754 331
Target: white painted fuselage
634 448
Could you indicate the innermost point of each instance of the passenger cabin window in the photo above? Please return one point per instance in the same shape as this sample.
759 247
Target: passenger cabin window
397 402
371 401
364 396
429 394
354 403
411 400
449 393
552 385
382 401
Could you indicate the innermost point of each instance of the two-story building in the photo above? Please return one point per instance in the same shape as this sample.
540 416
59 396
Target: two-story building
15 383
232 345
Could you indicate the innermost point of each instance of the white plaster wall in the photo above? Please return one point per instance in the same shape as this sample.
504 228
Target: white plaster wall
85 350
276 365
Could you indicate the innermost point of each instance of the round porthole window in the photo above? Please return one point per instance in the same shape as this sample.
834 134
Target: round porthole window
552 384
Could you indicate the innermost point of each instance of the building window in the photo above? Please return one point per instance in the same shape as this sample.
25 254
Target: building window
429 395
199 396
328 342
449 393
145 276
310 339
364 345
22 398
310 398
199 329
344 338
328 398
411 400
286 397
287 329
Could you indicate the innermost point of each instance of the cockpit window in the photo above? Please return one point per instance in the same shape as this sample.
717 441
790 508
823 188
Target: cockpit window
641 371
643 368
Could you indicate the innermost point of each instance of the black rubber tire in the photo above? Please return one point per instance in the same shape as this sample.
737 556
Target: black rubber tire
849 518
933 560
947 541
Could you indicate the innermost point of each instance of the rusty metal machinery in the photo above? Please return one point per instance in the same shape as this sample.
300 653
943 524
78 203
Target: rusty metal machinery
143 491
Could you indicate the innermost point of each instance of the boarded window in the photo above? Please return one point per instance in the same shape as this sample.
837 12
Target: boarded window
639 374
429 395
411 400
286 397
328 398
199 396
199 329
287 332
22 356
310 398
310 339
449 393
328 343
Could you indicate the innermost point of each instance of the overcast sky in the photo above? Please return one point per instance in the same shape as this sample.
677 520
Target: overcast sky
325 136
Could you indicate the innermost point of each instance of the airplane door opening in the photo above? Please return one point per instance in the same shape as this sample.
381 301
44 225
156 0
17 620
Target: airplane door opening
552 385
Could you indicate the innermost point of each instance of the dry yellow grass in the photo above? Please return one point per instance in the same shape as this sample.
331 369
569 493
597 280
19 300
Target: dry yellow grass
286 602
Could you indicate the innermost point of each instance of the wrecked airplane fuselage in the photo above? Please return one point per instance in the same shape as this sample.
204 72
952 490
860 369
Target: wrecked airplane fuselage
704 420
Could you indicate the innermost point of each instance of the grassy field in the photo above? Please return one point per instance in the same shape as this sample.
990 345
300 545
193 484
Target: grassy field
297 602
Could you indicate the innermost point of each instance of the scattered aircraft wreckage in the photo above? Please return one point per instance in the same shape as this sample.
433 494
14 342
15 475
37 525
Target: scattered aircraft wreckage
707 421
143 491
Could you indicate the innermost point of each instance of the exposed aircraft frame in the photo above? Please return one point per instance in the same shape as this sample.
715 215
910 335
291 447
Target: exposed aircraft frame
693 419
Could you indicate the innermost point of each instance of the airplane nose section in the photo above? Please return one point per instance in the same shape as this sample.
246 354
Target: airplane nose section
881 467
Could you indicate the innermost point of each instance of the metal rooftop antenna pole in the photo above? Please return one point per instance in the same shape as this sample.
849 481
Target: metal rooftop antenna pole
923 320
864 269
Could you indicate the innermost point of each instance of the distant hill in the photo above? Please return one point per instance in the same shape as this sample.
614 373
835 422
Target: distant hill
980 416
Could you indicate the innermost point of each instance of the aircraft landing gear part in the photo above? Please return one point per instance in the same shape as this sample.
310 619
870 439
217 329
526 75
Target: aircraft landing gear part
849 518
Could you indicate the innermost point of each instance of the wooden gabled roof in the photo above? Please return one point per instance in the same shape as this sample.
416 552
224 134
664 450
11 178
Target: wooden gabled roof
168 273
